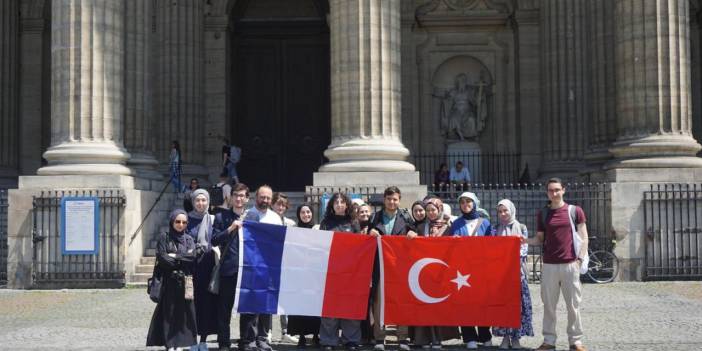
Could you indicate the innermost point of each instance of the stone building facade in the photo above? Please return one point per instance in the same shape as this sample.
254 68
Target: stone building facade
94 91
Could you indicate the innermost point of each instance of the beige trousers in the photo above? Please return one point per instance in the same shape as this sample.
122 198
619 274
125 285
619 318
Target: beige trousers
556 279
379 330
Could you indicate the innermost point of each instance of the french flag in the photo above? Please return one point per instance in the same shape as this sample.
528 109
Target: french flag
304 272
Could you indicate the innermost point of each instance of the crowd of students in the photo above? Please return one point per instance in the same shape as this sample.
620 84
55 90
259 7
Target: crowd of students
197 240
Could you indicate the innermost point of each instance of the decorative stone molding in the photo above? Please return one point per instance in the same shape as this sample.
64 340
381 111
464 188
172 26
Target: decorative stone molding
463 13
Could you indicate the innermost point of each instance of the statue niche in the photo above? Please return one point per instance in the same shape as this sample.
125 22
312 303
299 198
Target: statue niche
464 104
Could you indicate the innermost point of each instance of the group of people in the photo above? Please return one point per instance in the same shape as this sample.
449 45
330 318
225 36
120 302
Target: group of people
197 240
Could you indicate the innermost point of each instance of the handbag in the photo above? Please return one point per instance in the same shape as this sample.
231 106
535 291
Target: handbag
153 285
213 286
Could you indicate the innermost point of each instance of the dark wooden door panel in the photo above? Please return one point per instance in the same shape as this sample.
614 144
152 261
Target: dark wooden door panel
281 107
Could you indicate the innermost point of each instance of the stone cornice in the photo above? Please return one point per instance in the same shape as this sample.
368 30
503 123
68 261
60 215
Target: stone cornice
466 13
216 23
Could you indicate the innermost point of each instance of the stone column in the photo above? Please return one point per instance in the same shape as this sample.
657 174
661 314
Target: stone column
365 84
564 80
602 126
180 100
138 120
653 86
32 91
87 95
9 33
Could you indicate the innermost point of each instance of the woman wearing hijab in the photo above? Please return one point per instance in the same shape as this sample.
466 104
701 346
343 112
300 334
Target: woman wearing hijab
472 223
200 229
173 323
304 325
419 216
509 226
434 225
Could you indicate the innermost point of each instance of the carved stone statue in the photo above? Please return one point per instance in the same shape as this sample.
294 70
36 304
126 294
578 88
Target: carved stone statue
464 108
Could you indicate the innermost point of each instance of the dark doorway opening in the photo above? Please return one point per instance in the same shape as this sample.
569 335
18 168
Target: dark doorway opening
280 111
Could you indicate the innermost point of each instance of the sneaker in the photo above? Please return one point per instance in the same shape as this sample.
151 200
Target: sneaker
472 345
404 346
487 343
379 346
577 348
263 346
546 347
289 339
505 344
515 344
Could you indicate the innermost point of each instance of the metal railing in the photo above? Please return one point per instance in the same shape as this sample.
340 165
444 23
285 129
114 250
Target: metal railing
483 167
53 269
529 199
3 237
316 196
673 224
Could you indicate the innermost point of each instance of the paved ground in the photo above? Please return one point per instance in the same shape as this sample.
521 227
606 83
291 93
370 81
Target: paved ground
620 316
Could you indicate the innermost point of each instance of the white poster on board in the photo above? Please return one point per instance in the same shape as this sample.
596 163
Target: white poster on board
80 223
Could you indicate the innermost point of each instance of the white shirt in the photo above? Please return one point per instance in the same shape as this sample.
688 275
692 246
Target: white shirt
269 216
463 175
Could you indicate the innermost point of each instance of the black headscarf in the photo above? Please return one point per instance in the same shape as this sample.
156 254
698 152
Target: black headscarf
420 204
172 232
302 224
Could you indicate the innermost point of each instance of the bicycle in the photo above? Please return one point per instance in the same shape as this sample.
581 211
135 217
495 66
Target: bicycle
602 268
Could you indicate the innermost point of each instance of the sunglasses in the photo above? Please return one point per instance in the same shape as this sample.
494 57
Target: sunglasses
180 222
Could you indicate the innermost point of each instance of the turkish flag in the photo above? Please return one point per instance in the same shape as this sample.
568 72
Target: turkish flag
451 281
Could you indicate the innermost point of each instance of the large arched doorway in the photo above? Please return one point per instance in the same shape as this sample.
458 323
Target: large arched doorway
280 102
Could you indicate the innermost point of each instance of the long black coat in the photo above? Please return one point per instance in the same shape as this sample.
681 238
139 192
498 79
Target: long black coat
173 323
205 301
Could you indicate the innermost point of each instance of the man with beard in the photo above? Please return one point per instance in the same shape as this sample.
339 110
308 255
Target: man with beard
256 328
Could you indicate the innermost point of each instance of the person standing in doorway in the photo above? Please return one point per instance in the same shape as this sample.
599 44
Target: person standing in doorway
562 231
176 166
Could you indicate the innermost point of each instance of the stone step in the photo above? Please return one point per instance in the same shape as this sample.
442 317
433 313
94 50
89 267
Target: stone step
139 278
144 268
150 252
135 285
148 260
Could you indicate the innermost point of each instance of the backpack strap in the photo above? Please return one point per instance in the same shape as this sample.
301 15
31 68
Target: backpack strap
477 226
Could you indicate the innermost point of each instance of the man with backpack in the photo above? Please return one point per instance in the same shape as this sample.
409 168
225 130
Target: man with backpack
562 231
220 194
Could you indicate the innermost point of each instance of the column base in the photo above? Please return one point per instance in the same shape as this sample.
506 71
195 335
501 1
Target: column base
86 158
566 170
657 151
367 155
144 165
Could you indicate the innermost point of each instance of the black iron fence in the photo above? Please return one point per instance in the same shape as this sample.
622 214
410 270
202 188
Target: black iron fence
483 167
52 268
3 237
595 200
673 224
318 197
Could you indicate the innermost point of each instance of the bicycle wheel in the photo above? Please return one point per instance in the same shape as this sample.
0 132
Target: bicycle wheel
603 267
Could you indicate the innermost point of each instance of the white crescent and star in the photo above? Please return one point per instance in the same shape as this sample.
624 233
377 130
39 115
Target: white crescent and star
461 280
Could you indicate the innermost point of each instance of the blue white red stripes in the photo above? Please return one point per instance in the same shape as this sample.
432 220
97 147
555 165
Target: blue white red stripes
298 271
